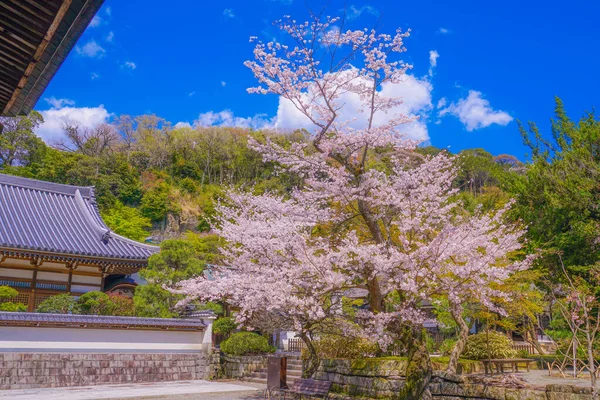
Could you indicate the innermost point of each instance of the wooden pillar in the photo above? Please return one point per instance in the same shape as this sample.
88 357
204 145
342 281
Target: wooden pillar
30 306
70 280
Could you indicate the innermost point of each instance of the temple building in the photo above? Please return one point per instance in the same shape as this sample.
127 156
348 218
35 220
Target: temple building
53 240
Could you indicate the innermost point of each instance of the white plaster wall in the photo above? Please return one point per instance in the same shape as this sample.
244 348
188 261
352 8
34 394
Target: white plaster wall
94 280
105 340
52 276
16 273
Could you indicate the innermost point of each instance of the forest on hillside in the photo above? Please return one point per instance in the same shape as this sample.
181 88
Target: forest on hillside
154 182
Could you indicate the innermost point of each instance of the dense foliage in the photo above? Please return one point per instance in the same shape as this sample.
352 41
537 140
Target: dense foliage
246 343
91 303
6 295
179 259
490 344
338 346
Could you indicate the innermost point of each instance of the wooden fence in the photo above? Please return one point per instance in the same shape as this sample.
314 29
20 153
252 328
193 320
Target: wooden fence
295 345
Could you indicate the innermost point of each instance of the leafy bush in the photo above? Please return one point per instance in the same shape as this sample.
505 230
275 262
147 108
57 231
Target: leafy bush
59 304
500 346
224 326
337 346
13 307
7 293
447 346
91 303
246 343
114 304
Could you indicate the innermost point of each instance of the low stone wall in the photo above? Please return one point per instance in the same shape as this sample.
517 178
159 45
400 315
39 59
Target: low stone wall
384 378
236 367
35 370
375 378
480 388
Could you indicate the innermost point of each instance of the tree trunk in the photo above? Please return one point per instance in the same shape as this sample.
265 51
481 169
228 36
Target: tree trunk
418 367
463 334
313 358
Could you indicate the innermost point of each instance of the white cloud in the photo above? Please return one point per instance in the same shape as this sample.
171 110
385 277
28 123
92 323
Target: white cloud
415 93
110 36
190 94
354 12
59 103
130 65
226 118
444 31
52 128
91 49
180 125
228 13
442 102
108 11
475 112
94 76
433 56
223 83
95 22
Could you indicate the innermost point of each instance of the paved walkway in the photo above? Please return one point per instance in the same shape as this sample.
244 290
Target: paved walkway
542 378
159 390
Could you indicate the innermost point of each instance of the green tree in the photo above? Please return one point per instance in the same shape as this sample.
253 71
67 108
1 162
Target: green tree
18 144
178 260
558 196
127 221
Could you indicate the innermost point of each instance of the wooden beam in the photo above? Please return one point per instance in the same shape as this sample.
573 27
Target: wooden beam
38 54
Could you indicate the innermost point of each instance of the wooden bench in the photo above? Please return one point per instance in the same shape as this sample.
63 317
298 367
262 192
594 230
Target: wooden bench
499 363
308 387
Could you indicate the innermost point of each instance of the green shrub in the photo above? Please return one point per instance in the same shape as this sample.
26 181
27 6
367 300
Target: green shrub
246 343
13 307
7 293
91 303
499 345
224 326
99 303
59 304
447 346
337 346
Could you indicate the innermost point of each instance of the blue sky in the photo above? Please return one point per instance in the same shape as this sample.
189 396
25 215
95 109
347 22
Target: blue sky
494 62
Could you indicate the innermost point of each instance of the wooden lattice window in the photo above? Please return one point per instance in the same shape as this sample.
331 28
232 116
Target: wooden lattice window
39 298
20 298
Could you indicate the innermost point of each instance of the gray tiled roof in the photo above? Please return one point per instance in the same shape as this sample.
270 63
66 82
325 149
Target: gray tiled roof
94 321
64 219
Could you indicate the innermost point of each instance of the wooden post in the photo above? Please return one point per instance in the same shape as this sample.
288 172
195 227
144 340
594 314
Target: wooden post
70 279
32 294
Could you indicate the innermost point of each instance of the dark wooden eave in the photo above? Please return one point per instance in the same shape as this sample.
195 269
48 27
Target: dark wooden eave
36 36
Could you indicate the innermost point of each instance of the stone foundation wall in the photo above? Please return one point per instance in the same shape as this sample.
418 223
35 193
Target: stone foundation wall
236 367
374 378
383 378
35 370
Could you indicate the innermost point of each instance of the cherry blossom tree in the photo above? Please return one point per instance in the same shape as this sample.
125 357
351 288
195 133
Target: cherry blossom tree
367 214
